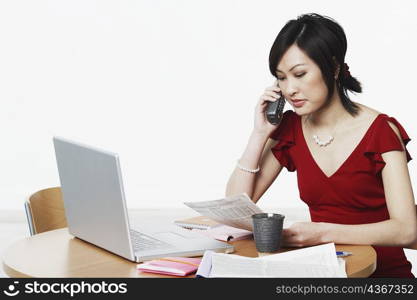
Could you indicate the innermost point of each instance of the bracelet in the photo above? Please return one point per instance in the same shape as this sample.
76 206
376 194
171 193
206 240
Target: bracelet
246 169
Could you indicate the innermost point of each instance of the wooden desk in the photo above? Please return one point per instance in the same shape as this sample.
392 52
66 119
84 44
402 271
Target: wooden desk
56 253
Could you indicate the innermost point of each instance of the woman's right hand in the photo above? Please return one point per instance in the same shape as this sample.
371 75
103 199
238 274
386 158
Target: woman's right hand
262 126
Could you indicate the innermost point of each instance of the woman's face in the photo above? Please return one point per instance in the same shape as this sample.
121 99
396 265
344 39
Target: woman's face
299 78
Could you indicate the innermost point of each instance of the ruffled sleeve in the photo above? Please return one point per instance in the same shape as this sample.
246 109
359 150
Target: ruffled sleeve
384 139
284 134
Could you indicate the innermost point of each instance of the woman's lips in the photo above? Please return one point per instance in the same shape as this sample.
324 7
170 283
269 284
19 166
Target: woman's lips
298 103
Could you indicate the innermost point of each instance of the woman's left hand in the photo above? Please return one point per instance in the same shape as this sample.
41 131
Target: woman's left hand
303 234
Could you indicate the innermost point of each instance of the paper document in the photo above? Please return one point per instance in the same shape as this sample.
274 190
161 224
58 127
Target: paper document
235 211
225 233
322 254
317 261
204 269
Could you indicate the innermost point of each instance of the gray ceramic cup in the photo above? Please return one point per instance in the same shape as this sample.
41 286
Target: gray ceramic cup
267 231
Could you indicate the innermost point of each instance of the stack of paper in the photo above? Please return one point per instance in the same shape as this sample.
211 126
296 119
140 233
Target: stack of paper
225 233
200 222
317 261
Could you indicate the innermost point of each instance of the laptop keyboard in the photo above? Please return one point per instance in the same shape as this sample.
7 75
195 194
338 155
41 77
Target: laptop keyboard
143 242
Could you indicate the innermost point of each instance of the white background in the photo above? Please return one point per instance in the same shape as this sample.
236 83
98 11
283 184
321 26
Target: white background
171 86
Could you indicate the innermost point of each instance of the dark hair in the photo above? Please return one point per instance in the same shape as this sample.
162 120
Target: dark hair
324 41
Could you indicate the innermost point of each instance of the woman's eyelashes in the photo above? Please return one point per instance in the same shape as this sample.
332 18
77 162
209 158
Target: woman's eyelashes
296 75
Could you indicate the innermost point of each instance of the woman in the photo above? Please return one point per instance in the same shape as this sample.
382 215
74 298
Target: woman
350 159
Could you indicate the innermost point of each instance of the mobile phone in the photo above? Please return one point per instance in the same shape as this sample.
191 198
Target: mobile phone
274 110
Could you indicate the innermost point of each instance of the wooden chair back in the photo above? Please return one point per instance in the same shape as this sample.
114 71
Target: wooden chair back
46 209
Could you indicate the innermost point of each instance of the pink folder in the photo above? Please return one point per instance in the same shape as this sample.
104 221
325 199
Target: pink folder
177 266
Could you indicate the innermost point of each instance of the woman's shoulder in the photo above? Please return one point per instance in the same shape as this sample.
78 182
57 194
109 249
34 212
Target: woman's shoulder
369 116
367 113
285 128
385 134
385 127
288 117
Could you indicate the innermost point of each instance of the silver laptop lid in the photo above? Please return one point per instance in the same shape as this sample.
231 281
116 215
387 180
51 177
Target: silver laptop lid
94 199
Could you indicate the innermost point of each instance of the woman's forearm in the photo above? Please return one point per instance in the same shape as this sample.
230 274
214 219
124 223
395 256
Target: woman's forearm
386 233
242 181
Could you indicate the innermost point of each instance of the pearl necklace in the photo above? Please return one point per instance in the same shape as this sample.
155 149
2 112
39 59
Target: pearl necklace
322 144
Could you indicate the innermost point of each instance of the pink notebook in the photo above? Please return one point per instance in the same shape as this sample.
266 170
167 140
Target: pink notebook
178 266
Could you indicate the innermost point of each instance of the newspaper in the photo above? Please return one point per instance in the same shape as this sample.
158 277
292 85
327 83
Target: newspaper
317 261
235 211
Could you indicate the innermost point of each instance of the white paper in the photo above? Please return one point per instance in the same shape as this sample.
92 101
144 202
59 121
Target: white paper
323 254
232 265
204 269
235 211
317 261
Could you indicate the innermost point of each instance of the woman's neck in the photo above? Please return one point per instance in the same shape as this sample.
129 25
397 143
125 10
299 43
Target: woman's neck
329 115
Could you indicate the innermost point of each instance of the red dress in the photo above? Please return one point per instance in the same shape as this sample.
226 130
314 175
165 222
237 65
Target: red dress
354 194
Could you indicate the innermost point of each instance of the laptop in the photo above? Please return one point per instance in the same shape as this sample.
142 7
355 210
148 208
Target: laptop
95 207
